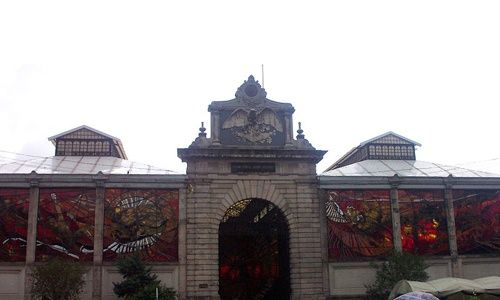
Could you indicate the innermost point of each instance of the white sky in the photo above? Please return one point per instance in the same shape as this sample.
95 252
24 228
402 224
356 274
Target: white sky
146 72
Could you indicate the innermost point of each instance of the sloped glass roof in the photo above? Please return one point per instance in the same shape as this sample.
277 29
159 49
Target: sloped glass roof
13 163
407 168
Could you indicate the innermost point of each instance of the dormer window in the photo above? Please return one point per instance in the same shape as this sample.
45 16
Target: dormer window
86 141
388 146
392 152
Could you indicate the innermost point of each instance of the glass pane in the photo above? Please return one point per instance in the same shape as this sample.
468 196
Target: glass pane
359 224
423 222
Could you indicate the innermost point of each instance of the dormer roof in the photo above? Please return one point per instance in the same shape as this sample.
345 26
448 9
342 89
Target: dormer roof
387 146
390 138
87 141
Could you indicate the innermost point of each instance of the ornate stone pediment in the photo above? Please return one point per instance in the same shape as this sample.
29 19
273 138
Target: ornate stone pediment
250 119
251 92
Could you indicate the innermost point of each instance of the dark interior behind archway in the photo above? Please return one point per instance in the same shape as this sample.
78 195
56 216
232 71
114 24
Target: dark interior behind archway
254 259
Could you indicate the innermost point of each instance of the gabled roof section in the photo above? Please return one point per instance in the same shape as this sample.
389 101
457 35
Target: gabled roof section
387 146
80 140
53 138
390 138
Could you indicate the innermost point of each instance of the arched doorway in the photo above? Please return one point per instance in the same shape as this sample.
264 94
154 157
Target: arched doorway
254 259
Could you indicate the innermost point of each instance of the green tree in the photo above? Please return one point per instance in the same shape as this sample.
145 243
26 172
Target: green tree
139 283
57 280
398 266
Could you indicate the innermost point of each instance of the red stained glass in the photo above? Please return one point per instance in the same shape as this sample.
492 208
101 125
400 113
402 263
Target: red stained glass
423 222
359 224
14 204
141 221
477 221
66 224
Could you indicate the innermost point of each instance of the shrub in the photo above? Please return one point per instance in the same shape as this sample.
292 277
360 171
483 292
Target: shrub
398 266
57 280
139 283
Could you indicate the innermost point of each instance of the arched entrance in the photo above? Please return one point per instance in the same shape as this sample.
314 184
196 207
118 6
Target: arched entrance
254 259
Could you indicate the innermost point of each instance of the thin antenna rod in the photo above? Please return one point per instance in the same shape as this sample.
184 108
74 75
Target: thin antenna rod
262 75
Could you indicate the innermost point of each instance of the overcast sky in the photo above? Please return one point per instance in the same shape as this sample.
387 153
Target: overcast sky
146 72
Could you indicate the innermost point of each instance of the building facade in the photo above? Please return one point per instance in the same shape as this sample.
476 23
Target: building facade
250 219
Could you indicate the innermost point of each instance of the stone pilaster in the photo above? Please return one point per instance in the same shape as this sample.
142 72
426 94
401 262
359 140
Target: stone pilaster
98 236
322 197
308 270
215 129
201 243
288 129
396 218
182 243
456 268
31 231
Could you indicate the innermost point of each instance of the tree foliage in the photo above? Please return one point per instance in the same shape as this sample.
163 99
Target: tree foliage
398 266
139 283
57 280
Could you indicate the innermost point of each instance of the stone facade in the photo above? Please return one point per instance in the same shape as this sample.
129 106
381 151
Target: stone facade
215 183
296 196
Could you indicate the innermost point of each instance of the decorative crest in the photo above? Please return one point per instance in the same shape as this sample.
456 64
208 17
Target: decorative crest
251 92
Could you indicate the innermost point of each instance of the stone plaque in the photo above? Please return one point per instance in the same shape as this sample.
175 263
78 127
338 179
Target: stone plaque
253 167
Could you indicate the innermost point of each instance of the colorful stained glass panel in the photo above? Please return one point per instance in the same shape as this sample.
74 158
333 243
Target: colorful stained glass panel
477 221
423 222
141 221
359 224
66 223
14 204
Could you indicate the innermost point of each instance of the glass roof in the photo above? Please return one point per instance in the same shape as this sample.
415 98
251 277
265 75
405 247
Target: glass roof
13 163
407 168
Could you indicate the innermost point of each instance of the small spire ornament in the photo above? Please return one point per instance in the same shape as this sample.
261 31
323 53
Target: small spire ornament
300 135
202 131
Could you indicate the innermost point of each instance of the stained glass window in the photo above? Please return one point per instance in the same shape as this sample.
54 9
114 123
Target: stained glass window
477 221
359 224
423 222
14 204
66 223
143 222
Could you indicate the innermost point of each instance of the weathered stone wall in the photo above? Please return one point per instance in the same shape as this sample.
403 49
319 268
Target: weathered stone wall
12 282
296 196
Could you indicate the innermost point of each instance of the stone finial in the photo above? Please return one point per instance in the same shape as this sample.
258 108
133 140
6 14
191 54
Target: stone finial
201 140
202 130
300 132
301 142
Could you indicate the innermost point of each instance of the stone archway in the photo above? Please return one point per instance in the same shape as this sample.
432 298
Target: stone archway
254 252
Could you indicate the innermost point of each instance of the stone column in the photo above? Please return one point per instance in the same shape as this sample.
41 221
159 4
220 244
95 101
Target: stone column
98 237
182 244
202 243
31 232
215 127
396 218
307 265
456 267
323 196
288 129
